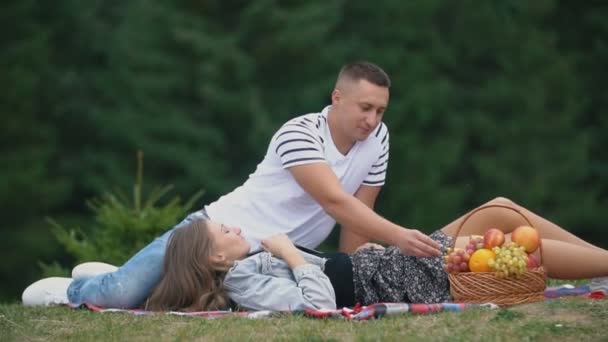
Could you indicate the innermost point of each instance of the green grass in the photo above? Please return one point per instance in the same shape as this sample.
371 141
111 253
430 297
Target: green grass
566 319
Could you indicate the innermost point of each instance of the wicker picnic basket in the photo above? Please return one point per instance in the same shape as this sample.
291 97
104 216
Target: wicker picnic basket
486 287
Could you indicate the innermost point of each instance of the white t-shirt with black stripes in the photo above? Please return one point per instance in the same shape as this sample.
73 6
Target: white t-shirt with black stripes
272 202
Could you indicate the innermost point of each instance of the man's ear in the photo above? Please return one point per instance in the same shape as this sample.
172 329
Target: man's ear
336 96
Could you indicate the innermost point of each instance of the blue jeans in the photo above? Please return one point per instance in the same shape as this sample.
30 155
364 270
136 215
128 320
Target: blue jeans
130 285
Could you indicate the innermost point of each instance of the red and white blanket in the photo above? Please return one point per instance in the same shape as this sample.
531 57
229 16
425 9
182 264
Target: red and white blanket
377 310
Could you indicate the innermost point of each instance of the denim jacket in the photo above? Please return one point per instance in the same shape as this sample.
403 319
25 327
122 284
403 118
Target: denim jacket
263 282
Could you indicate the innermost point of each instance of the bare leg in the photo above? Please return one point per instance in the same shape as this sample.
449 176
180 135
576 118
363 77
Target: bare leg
507 220
564 260
564 255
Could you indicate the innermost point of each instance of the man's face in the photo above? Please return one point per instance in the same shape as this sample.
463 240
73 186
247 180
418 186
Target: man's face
360 106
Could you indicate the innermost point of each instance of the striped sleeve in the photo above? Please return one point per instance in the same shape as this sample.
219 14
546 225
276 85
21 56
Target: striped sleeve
377 173
297 143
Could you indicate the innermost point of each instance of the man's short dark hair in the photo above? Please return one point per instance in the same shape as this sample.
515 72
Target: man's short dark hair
366 71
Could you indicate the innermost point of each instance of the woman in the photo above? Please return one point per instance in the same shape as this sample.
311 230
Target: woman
207 265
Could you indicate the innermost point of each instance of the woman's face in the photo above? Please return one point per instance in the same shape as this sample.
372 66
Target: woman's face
227 242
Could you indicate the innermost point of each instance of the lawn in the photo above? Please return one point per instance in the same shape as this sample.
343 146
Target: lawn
565 319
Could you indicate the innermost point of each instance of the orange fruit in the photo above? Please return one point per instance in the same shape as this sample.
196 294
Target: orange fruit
478 262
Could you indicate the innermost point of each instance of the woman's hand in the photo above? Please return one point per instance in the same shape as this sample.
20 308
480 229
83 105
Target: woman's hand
278 245
282 247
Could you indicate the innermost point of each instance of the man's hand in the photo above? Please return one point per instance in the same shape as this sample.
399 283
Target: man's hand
415 243
321 183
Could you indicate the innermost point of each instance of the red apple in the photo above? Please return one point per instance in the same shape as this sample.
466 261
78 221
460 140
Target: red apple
493 238
532 261
527 237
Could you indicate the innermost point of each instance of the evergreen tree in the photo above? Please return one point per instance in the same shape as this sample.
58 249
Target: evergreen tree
122 224
28 141
488 98
583 34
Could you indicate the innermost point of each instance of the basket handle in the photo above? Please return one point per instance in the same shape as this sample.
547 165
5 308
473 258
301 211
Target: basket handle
474 211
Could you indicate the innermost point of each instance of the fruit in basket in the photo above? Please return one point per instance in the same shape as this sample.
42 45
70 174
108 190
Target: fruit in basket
533 261
477 238
479 261
456 261
493 238
527 237
511 260
475 243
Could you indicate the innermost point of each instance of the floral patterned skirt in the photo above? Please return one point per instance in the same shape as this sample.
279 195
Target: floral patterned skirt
389 276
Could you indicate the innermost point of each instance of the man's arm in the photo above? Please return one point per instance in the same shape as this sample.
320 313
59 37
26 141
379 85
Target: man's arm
318 180
349 240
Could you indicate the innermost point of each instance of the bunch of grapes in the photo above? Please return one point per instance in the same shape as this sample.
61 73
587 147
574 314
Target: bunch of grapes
456 260
511 260
475 243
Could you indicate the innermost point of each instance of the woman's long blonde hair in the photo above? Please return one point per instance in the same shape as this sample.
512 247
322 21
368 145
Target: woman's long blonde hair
189 281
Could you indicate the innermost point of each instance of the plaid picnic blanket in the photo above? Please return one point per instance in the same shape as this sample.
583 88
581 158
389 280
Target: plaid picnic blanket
569 290
358 313
203 314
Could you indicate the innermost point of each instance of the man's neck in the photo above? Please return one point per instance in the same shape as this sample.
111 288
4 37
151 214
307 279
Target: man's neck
342 143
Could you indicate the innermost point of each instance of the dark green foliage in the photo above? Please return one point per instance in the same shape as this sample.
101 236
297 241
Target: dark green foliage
119 228
122 224
489 99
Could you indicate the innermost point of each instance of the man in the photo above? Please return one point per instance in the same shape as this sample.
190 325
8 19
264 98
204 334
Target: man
319 168
325 167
